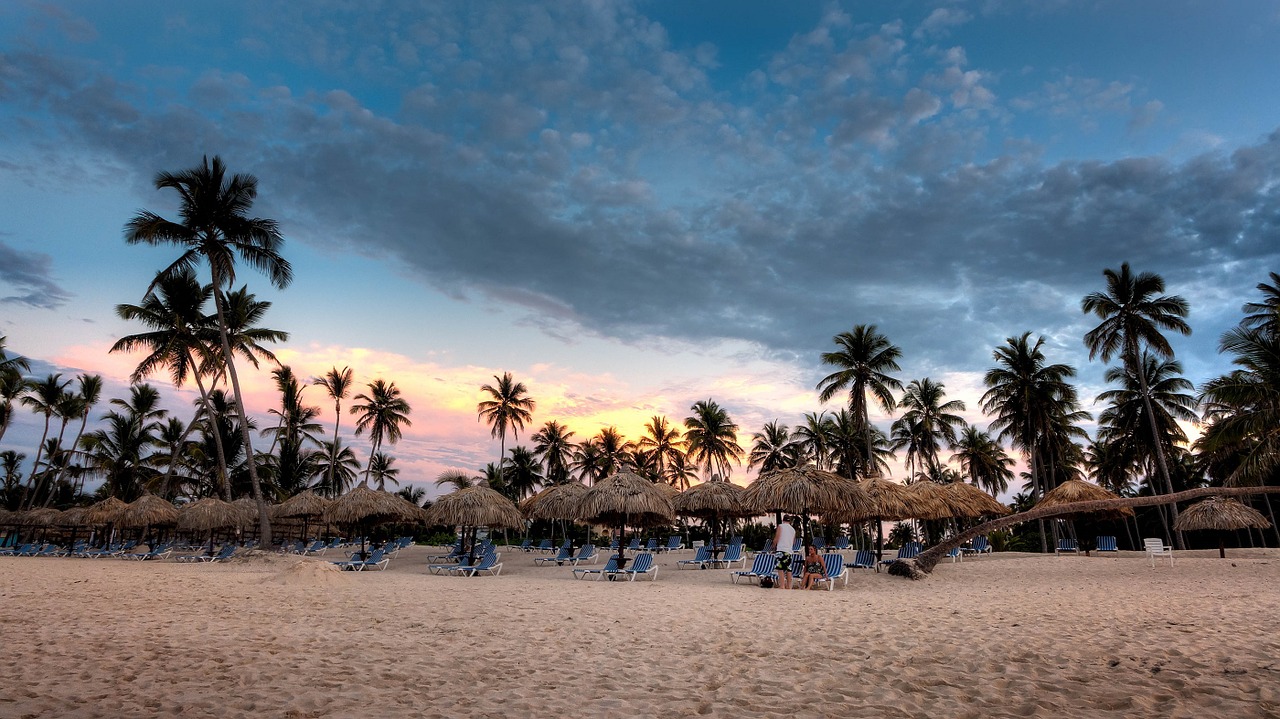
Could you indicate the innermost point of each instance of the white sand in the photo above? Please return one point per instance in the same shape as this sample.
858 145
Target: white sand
1010 635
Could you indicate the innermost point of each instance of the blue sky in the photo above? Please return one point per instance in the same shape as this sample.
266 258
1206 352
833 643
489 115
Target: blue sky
634 206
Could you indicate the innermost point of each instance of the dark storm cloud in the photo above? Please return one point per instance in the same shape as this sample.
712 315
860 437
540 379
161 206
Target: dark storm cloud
27 278
575 163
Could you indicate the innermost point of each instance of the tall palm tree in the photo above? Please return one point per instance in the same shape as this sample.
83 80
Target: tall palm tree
589 462
773 447
933 420
42 397
1242 407
523 476
813 437
89 390
554 445
865 357
983 460
413 494
1133 313
181 340
663 443
508 408
712 438
456 479
338 469
214 228
1124 421
12 385
615 450
337 383
11 466
381 414
122 453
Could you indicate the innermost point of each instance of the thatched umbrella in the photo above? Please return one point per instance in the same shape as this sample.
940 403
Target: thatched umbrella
209 514
148 510
1220 514
475 507
363 505
306 504
714 502
105 512
559 501
1078 490
805 491
971 502
624 499
889 502
927 500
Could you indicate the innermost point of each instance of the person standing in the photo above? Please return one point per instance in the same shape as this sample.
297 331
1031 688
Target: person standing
784 538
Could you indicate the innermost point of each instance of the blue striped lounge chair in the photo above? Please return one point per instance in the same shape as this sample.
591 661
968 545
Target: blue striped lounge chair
842 543
980 545
863 559
160 551
376 559
564 555
223 555
765 565
820 543
651 545
834 565
797 547
700 559
543 546
441 567
767 548
955 554
587 553
609 567
635 545
524 546
1107 544
732 555
910 550
488 563
641 565
674 544
456 552
1066 545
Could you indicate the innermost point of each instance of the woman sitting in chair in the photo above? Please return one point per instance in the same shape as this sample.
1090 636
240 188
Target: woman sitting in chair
814 569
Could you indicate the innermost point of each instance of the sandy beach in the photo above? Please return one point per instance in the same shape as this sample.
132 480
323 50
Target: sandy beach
1006 635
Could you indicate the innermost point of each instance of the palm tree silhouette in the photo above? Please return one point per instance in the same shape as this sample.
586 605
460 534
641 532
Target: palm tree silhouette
931 421
336 382
712 439
983 460
43 397
865 358
214 229
508 408
663 443
552 443
773 447
381 414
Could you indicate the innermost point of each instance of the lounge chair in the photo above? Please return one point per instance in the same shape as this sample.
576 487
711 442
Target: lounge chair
834 565
378 558
159 552
223 555
488 563
765 565
819 543
565 555
700 560
524 546
609 567
797 547
441 568
586 553
1066 545
955 554
1107 544
650 546
980 545
863 559
317 547
642 564
1157 548
455 553
674 544
732 555
17 551
543 546
842 543
910 550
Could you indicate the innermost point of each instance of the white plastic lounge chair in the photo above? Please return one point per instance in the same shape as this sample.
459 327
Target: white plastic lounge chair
1157 548
1107 544
700 559
765 565
834 565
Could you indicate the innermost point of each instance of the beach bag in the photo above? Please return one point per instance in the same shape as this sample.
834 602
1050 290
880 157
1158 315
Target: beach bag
766 582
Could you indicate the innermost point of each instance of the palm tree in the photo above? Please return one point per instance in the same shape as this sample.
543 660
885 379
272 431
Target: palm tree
1242 407
1133 312
337 469
508 408
12 385
589 461
337 382
773 447
663 443
122 452
413 494
43 398
1263 316
382 471
552 443
215 229
90 393
865 358
382 412
11 464
615 450
813 437
457 479
712 438
983 460
523 475
1124 423
181 340
932 420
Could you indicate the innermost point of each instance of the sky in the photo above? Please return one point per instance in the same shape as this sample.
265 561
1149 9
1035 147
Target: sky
633 206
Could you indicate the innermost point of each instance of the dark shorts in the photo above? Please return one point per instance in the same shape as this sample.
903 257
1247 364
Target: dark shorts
784 560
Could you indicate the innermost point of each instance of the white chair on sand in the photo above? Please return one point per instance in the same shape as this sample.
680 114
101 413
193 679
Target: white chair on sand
1157 548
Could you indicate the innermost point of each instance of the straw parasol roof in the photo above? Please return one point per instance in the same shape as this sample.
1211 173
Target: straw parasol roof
146 511
803 490
73 517
247 508
927 499
302 504
476 506
1219 513
559 501
973 502
363 503
626 498
889 501
44 517
104 512
716 499
1077 490
208 514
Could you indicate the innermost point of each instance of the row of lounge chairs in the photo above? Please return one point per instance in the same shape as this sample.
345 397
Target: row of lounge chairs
641 566
766 565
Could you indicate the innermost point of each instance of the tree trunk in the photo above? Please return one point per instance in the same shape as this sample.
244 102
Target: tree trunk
920 567
1135 360
36 465
264 518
